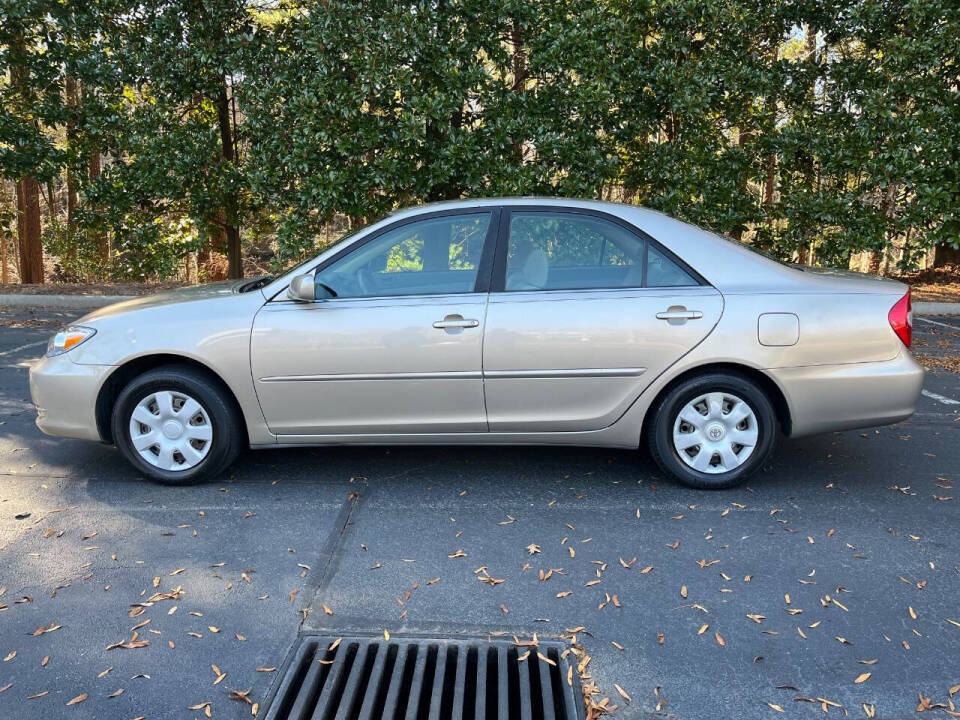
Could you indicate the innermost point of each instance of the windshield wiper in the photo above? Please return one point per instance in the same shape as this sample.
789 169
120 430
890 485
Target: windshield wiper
256 284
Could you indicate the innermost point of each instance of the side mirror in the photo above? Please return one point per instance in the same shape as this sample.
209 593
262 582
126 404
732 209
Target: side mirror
301 289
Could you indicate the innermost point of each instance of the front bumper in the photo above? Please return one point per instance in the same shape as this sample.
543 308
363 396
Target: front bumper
65 394
825 398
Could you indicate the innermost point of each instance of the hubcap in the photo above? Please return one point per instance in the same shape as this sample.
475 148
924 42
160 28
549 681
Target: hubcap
715 432
171 430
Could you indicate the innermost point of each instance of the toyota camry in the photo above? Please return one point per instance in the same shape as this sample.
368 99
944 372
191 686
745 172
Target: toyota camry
501 321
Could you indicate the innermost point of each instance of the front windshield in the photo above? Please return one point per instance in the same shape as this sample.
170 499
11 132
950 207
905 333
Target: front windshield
290 273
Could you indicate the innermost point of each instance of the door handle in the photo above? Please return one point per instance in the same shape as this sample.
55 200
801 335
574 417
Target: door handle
455 321
679 313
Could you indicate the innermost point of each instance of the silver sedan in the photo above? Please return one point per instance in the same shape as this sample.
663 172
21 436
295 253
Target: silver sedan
501 321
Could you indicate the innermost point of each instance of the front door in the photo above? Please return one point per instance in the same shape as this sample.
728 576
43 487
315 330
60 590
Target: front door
393 343
587 313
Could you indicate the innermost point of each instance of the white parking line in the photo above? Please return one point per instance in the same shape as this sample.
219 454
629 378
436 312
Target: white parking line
22 347
937 322
939 398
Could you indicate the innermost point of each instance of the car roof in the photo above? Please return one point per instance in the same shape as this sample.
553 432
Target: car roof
614 208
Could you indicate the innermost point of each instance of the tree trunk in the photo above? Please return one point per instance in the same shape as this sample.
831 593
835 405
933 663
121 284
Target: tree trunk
28 189
28 231
51 202
944 255
520 73
231 231
4 238
103 242
770 185
744 136
72 102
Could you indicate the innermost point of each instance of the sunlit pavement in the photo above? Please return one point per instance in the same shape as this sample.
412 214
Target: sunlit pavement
845 552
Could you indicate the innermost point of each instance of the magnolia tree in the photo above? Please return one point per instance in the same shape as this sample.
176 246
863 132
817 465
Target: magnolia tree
136 134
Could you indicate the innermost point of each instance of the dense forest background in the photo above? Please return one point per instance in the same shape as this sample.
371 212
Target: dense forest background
199 139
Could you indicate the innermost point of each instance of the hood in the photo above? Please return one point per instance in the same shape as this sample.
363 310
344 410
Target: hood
194 293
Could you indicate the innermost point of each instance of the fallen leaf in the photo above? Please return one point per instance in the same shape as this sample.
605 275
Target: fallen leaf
241 695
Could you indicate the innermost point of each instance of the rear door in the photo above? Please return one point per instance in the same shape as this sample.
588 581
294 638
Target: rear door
586 312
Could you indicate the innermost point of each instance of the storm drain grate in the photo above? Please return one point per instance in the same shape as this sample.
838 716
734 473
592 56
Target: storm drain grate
436 679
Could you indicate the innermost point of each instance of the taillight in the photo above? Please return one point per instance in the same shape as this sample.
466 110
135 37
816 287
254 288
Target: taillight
901 318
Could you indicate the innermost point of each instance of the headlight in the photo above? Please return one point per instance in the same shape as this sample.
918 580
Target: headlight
68 339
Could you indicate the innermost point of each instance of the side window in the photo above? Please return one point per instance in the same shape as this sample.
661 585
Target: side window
558 251
664 272
427 257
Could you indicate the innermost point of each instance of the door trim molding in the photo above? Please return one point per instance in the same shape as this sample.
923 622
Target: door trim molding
566 373
461 375
442 375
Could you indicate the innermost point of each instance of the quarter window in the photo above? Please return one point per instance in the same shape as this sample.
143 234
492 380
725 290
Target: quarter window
437 256
664 272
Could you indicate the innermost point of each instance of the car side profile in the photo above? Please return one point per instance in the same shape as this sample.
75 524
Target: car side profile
500 321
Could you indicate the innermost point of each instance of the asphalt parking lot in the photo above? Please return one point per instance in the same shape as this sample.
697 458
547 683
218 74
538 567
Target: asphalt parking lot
830 584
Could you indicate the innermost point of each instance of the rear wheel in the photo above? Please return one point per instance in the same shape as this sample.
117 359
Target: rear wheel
712 430
176 426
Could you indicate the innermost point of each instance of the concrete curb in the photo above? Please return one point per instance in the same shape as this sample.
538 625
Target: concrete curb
65 302
936 308
92 302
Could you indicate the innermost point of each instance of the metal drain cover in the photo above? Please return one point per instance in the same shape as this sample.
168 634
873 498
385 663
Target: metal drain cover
425 679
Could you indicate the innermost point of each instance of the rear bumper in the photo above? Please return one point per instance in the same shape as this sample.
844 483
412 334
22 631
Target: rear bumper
825 398
65 395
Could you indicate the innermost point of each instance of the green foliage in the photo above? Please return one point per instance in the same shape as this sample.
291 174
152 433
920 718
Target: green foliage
798 125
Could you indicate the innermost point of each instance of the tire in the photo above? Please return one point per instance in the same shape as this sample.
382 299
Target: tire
675 432
186 449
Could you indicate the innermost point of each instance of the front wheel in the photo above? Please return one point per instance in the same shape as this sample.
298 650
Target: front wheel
175 425
712 431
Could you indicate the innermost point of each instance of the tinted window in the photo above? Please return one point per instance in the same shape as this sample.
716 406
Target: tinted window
427 257
664 272
556 251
